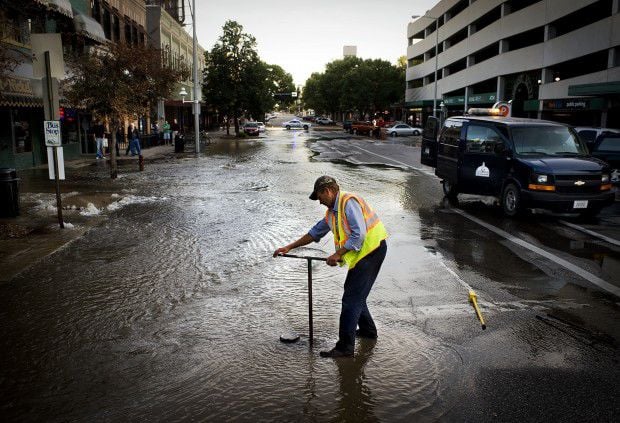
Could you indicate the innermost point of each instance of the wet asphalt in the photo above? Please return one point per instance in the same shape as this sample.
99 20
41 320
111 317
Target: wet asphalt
171 308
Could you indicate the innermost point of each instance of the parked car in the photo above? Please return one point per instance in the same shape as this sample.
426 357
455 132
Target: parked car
251 128
362 127
402 129
261 126
607 148
526 163
324 121
296 124
589 134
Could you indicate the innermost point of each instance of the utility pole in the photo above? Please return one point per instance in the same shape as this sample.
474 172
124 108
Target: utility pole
196 85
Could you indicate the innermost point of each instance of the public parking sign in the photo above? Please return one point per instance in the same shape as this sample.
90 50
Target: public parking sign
52 133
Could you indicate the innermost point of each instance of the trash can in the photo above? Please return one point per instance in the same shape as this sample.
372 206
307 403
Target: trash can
179 143
9 193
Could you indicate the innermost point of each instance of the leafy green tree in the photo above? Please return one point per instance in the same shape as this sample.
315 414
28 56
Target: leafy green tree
119 82
230 63
236 81
354 84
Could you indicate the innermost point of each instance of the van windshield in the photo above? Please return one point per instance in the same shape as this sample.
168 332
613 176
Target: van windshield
546 141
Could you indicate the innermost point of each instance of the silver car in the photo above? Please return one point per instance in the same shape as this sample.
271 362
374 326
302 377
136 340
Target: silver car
402 129
296 124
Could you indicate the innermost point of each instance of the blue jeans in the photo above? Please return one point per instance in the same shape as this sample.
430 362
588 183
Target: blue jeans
99 147
135 147
354 311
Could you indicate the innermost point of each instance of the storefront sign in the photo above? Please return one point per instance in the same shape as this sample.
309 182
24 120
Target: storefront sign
21 86
573 104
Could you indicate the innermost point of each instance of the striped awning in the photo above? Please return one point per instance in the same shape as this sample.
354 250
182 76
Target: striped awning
60 6
17 100
88 27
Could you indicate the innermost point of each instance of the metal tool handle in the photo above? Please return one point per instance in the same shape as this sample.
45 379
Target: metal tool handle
302 257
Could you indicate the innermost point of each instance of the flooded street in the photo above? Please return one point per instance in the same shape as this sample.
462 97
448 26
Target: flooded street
171 309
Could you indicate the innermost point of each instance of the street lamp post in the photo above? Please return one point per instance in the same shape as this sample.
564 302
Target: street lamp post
195 102
436 56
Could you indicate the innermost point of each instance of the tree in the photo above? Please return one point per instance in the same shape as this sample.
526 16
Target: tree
353 84
120 81
236 81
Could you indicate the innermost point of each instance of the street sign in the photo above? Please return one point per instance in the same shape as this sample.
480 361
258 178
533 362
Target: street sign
294 94
51 128
60 163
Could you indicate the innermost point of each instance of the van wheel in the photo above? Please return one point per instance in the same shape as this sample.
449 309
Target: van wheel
511 201
450 189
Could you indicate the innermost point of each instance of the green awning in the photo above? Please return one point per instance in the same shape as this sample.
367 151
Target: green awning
421 103
602 88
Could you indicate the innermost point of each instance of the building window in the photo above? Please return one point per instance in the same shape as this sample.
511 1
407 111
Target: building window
487 19
526 39
584 65
457 66
516 5
456 9
416 83
22 135
582 17
486 53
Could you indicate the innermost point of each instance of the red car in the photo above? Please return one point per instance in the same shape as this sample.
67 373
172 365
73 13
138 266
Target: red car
251 128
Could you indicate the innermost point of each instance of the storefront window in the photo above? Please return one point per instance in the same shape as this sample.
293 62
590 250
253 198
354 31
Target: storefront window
22 133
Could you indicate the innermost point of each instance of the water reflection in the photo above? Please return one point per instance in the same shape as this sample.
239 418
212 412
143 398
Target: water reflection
355 403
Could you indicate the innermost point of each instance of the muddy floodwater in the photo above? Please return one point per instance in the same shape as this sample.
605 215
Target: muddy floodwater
172 308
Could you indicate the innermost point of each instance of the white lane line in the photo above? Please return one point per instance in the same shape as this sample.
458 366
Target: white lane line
396 161
567 265
458 278
592 233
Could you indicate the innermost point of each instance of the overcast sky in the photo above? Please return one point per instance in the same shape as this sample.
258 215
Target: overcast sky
303 36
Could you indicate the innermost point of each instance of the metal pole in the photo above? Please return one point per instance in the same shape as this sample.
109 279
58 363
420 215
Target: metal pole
196 103
436 60
50 97
310 328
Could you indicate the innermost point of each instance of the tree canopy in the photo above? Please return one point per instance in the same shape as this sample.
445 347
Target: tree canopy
236 82
356 85
118 82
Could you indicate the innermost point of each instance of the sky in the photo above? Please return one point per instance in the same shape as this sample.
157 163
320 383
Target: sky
303 36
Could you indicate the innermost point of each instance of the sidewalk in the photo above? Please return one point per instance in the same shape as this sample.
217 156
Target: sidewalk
87 191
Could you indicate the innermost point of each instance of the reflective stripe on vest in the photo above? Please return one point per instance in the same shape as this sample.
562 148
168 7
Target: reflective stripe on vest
375 231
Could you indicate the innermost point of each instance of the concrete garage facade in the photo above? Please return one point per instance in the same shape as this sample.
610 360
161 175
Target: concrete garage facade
554 59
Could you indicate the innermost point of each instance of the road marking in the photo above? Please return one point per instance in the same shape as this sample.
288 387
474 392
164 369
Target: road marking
592 233
458 278
396 161
603 284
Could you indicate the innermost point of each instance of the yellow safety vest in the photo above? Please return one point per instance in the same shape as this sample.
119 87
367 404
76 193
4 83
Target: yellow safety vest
375 231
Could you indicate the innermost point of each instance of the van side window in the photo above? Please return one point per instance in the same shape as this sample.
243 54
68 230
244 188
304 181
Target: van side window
482 139
451 133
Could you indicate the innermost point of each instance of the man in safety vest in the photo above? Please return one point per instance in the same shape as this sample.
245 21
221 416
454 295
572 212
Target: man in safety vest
359 238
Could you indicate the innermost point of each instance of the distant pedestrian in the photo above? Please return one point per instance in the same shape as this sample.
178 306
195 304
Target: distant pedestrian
135 143
167 132
175 130
99 131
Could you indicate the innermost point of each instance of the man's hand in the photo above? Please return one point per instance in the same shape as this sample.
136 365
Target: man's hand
334 259
281 250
